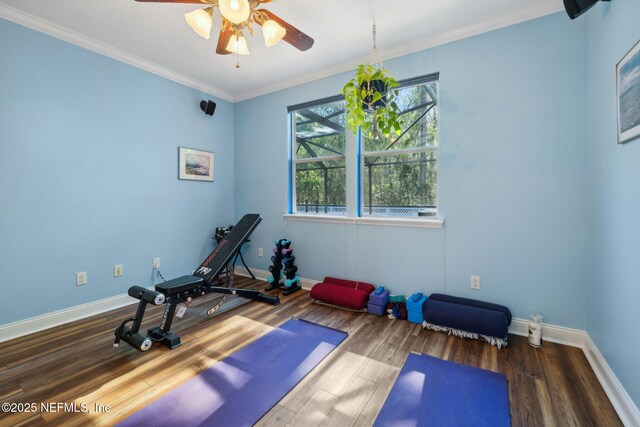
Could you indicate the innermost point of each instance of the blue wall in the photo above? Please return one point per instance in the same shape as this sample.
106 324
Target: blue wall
513 172
614 203
538 198
88 174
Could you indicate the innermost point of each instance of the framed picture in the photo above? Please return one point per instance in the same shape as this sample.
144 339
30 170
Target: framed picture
628 95
196 165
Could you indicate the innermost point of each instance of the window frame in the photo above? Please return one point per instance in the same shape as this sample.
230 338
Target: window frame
293 162
357 216
362 153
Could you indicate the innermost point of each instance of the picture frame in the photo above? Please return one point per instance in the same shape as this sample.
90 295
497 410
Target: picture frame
195 165
628 95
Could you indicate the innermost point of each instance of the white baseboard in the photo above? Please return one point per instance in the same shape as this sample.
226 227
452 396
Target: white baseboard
620 399
306 284
60 317
552 333
624 406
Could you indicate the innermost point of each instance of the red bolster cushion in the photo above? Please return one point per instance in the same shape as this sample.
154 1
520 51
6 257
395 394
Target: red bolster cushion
367 287
340 295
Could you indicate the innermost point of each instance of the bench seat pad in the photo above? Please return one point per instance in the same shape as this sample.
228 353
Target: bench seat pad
180 284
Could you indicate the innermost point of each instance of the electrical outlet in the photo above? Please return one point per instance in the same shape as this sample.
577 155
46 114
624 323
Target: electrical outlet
260 252
475 282
81 278
117 270
156 263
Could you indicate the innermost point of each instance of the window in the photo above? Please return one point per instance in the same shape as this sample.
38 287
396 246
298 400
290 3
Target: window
396 175
399 172
318 164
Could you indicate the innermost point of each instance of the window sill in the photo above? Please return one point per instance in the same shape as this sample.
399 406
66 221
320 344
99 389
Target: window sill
388 222
402 222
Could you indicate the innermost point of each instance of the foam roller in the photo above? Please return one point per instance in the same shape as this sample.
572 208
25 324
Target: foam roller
139 341
148 295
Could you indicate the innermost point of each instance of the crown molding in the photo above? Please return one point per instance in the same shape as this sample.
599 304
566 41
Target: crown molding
41 25
529 12
523 14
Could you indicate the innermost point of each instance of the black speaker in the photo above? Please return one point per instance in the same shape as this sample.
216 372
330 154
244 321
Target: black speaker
209 107
576 8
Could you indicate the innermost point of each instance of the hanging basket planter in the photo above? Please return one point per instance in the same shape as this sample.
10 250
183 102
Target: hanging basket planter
370 98
373 86
370 102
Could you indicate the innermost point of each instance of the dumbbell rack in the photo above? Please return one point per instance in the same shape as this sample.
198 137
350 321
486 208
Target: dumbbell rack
283 264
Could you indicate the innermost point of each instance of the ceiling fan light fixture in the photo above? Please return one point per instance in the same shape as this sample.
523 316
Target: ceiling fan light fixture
235 11
272 32
238 44
200 21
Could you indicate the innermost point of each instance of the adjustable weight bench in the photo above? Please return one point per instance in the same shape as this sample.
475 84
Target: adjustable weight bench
205 280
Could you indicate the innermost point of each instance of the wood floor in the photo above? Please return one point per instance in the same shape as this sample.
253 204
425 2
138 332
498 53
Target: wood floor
76 363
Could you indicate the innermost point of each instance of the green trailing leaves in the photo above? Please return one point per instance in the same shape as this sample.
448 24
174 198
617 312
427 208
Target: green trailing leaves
370 103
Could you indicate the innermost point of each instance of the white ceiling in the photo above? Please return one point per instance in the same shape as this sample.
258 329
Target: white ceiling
155 36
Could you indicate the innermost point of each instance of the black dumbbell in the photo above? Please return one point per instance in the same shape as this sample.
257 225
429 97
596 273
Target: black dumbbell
276 259
275 268
291 271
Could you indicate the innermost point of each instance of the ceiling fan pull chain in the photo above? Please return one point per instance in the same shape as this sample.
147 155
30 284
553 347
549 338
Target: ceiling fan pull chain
237 50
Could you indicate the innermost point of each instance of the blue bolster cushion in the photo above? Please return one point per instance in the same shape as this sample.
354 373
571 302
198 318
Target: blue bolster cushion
466 318
473 303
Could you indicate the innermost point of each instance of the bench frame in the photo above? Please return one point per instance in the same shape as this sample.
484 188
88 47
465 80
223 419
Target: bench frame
216 269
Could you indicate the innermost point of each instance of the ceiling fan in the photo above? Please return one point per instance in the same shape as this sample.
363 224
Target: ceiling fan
238 15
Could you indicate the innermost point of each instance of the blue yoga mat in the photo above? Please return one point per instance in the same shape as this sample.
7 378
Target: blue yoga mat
240 389
434 392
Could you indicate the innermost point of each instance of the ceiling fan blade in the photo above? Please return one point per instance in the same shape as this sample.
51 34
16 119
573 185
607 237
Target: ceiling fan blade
294 36
223 40
175 1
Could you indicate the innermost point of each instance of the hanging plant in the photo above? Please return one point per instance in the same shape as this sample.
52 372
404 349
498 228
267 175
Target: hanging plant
370 98
370 101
